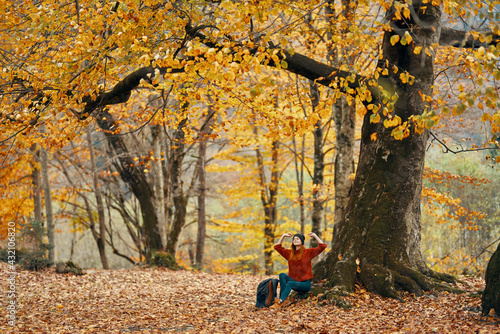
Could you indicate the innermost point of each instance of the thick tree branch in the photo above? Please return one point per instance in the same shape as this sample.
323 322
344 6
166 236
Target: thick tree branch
296 63
122 90
463 39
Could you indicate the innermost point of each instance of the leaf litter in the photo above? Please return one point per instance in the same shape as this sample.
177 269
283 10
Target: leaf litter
146 300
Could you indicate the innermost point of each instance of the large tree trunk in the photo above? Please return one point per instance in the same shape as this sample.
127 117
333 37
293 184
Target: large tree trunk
491 294
135 179
381 227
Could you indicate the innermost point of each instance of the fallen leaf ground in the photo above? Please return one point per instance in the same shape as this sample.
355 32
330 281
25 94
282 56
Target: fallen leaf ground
145 300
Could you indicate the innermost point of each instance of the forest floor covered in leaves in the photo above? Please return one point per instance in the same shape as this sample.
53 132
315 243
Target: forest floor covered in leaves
144 300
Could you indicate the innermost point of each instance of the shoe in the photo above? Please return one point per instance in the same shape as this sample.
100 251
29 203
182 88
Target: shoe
277 304
285 303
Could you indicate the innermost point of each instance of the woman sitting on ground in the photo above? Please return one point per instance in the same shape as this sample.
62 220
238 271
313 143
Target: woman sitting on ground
299 266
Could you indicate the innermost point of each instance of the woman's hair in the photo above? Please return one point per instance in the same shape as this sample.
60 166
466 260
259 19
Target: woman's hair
296 255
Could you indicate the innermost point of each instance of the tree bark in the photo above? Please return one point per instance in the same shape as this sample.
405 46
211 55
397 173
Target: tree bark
378 239
491 294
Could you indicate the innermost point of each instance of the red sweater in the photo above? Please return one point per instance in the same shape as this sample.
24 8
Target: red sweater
300 270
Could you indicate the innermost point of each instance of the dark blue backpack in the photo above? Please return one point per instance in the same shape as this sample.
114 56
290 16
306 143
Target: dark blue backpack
266 292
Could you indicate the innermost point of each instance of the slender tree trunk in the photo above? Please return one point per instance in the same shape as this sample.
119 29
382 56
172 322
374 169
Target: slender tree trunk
48 204
159 181
319 166
345 124
300 181
101 237
202 219
178 197
491 294
202 181
135 179
381 226
344 117
269 197
37 185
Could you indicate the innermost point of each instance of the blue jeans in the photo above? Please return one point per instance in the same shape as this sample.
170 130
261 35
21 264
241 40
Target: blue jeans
287 284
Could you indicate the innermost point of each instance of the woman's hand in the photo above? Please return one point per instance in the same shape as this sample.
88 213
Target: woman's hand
314 235
285 235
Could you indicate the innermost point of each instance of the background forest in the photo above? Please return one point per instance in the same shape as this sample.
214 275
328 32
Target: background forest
211 164
459 228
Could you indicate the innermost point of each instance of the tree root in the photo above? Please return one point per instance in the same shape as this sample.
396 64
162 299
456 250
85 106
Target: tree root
388 281
443 277
332 296
378 279
407 284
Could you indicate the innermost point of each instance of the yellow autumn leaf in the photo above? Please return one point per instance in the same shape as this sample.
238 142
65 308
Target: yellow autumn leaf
313 119
406 12
485 117
408 37
375 118
394 39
